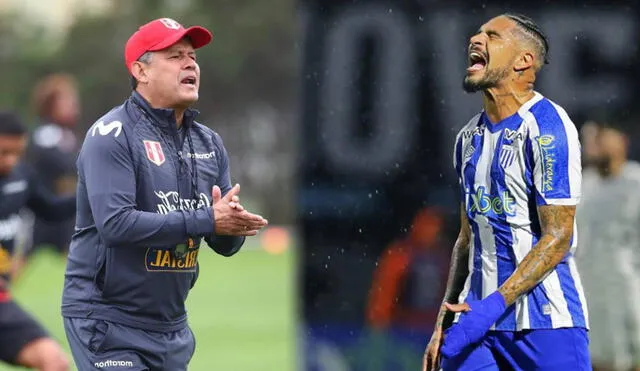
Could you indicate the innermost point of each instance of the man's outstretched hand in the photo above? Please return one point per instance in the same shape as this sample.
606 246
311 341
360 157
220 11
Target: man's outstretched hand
475 321
230 216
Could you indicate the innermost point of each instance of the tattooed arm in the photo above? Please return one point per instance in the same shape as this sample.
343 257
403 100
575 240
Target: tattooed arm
557 228
458 270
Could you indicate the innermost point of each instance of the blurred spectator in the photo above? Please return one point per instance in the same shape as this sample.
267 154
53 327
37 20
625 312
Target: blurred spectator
53 150
609 252
410 279
590 150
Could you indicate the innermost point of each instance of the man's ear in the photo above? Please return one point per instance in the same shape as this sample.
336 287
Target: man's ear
525 61
139 70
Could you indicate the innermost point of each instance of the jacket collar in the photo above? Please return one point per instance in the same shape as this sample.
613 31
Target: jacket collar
163 117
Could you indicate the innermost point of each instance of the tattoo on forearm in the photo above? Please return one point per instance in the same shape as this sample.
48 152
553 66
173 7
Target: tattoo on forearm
458 270
557 229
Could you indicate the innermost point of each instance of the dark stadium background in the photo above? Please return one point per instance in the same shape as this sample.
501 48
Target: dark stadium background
381 104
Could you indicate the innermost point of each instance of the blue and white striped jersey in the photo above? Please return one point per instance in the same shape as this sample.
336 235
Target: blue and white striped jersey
506 170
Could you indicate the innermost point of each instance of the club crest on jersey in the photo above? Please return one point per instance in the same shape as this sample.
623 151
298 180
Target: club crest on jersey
154 152
507 155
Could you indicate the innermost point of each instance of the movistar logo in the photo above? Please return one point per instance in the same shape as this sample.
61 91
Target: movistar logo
106 129
483 203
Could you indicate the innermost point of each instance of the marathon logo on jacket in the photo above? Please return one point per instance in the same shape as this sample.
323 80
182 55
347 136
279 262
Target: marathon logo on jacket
201 156
154 152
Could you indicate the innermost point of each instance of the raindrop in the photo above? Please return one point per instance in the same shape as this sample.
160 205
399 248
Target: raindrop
421 18
390 10
326 266
370 195
359 230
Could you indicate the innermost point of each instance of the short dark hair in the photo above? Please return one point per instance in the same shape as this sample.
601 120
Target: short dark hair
531 29
10 124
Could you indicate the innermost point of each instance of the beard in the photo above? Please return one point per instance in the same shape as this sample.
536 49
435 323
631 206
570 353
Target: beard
491 79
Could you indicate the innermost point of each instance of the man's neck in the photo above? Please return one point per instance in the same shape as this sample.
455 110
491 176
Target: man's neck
179 113
504 101
158 104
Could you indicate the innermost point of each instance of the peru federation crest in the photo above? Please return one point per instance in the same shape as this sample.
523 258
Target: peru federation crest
154 152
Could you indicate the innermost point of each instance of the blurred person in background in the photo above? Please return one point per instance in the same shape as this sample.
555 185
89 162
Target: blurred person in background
513 286
590 152
152 184
609 255
23 341
410 277
53 151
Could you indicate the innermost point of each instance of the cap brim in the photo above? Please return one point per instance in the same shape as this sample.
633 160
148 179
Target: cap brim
199 37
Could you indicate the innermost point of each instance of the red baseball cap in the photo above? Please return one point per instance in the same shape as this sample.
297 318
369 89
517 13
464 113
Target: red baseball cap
160 34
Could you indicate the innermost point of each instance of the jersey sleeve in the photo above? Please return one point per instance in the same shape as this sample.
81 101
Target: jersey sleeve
106 167
457 164
554 151
224 245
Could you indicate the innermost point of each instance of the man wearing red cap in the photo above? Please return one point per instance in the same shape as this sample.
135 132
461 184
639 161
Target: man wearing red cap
152 183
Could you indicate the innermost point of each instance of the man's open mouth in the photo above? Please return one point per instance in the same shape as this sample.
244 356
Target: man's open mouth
188 80
477 61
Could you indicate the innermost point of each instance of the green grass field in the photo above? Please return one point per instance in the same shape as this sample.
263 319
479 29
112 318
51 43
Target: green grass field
242 310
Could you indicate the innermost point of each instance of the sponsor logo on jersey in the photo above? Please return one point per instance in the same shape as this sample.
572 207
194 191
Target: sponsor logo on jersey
171 201
163 260
548 159
183 257
479 131
513 135
112 363
106 129
483 203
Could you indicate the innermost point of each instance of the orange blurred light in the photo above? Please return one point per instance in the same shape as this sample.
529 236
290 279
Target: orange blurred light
275 240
